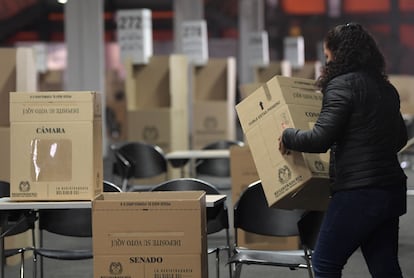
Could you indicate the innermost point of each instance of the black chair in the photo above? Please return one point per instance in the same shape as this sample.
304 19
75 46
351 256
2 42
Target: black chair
138 160
15 222
217 217
216 167
308 227
252 214
110 187
75 223
216 170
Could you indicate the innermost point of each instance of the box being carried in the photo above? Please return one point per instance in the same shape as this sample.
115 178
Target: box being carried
298 180
56 145
150 234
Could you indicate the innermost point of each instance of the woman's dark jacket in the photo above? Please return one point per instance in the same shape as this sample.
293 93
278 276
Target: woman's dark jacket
360 121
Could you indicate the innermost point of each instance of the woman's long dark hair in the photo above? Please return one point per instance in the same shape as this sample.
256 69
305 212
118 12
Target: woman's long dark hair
353 49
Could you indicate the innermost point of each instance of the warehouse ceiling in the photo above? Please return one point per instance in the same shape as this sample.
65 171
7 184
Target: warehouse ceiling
43 19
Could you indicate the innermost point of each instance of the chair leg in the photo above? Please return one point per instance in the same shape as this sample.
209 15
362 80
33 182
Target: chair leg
34 265
218 262
124 184
237 270
22 263
41 266
308 262
229 251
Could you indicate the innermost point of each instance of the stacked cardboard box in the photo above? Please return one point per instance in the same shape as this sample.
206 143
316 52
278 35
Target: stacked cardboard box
116 113
214 117
243 173
56 142
18 72
405 87
157 102
309 70
263 74
150 234
51 80
298 180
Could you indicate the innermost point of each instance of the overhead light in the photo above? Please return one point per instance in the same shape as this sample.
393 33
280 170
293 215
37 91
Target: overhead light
62 1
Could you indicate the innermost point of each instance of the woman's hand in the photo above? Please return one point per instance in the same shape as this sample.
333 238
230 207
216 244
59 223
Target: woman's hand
282 147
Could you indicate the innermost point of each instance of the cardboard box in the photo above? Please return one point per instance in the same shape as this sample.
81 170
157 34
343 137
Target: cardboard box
146 234
242 170
148 266
51 80
213 100
56 145
18 73
264 74
290 90
310 70
405 87
5 153
116 112
159 127
243 173
248 88
298 180
157 102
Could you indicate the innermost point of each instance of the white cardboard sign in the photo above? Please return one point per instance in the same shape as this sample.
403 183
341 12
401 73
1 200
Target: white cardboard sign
294 51
134 35
195 41
258 49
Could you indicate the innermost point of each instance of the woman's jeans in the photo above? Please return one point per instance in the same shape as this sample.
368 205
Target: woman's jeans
366 218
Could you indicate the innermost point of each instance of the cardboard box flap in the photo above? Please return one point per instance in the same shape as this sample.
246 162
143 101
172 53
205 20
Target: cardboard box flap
18 73
293 90
53 97
26 78
295 82
254 107
55 106
179 82
264 74
212 80
156 83
161 200
7 82
52 76
248 88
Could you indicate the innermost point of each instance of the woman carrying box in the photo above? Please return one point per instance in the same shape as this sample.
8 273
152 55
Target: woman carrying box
360 122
